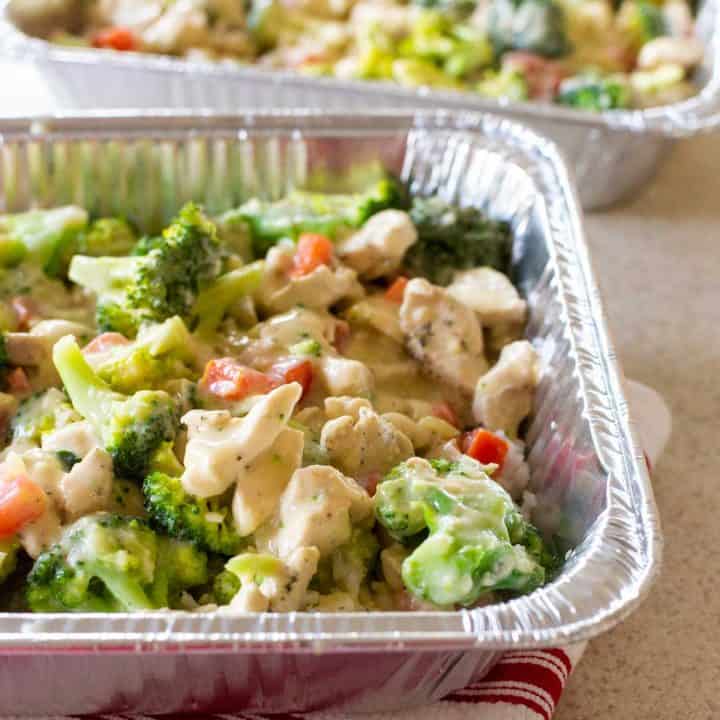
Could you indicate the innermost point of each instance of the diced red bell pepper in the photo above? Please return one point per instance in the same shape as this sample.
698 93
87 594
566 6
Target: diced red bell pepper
115 38
228 379
313 250
293 370
396 291
485 447
21 500
105 341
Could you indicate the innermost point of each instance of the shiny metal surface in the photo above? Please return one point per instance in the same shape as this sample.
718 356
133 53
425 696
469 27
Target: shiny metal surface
586 466
611 154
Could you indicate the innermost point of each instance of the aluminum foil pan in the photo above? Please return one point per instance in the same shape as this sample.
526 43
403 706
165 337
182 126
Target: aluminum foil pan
586 466
611 154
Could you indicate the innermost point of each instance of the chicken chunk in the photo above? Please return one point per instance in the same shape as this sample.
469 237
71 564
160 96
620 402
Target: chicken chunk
127 13
284 590
343 376
182 25
88 486
490 294
261 481
318 508
219 445
78 438
504 395
300 324
377 249
365 444
44 469
249 599
318 290
378 313
442 334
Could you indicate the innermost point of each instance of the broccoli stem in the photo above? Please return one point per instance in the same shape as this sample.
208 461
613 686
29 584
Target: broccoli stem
90 396
213 302
127 592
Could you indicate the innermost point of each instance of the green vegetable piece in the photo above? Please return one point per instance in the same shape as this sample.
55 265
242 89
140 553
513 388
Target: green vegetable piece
226 586
353 561
536 26
12 251
9 549
42 413
508 84
256 566
48 236
312 212
640 21
307 348
206 522
415 72
452 238
155 286
234 235
68 459
132 428
111 563
159 354
213 302
107 237
595 93
475 541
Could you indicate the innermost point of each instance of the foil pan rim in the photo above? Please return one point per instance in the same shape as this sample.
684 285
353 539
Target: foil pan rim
699 113
630 513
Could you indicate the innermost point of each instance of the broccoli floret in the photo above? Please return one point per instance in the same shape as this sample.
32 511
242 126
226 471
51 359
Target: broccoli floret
180 565
456 50
506 83
452 238
470 538
160 353
589 92
107 237
155 286
352 562
48 237
132 428
40 414
207 522
111 563
322 213
8 557
234 235
537 26
225 587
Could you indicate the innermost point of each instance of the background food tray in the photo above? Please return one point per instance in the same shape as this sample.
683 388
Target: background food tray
611 154
586 467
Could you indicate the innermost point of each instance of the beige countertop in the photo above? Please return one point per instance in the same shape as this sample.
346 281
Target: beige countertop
658 264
